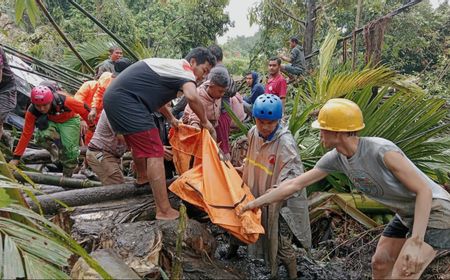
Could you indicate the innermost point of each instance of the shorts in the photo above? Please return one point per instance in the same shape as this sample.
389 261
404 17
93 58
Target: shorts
437 238
297 71
145 144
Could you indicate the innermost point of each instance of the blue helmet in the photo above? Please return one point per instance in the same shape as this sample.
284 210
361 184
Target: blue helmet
268 107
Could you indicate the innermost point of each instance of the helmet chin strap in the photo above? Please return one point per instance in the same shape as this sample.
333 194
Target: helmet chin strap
271 135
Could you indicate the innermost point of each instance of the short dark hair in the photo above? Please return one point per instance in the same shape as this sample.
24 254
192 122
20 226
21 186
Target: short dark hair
274 58
201 55
216 51
121 64
294 40
113 48
249 73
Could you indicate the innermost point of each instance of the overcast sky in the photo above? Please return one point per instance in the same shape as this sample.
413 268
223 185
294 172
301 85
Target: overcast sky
238 11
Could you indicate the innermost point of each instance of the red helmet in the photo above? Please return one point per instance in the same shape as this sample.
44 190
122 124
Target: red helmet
41 95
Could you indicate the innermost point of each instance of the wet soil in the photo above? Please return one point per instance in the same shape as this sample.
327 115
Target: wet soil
342 248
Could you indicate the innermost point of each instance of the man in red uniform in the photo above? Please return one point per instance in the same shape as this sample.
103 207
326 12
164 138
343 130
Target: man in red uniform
276 84
55 116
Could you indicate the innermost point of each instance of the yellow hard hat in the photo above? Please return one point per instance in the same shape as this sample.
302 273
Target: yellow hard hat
340 114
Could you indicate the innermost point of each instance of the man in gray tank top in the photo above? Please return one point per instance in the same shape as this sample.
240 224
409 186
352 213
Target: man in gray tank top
379 169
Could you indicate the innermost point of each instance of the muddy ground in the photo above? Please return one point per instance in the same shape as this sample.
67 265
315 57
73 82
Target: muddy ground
342 248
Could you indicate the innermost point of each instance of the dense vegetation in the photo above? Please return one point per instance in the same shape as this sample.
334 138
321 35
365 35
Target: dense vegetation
414 51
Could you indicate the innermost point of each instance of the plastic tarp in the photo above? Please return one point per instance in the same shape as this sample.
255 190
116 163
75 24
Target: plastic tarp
213 184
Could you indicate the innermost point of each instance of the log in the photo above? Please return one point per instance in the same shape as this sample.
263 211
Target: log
36 156
80 197
46 179
87 196
109 260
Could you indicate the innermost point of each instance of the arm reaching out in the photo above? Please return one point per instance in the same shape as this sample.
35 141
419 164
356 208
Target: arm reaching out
190 91
287 188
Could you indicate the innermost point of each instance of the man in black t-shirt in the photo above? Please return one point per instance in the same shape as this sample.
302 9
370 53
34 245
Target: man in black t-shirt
146 87
8 96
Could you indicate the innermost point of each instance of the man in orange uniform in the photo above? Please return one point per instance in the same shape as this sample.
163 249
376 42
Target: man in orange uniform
55 116
86 94
103 82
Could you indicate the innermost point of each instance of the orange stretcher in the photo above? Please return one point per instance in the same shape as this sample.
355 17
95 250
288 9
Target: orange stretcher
212 184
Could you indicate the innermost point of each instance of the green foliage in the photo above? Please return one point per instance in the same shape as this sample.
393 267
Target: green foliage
406 115
414 40
240 46
236 66
37 248
30 8
149 27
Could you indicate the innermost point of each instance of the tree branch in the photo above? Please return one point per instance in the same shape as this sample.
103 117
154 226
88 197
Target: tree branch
359 30
276 6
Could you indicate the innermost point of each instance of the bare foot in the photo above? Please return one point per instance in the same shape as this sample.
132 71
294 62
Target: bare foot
171 214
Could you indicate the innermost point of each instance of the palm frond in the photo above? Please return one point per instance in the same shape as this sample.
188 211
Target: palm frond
398 110
36 248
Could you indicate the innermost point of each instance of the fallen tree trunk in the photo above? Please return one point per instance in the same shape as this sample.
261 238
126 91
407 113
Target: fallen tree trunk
87 196
46 179
93 195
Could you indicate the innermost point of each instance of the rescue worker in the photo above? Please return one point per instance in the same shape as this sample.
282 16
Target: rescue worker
379 169
146 87
85 94
55 116
273 158
103 83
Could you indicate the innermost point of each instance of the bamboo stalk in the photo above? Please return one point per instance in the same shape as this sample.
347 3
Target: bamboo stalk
46 76
43 64
104 28
71 70
53 180
63 36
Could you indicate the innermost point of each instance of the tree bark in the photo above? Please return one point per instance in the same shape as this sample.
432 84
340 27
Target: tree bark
358 17
310 27
80 197
87 196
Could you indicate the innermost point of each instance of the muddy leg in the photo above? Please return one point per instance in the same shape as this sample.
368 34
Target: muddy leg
141 170
157 179
286 252
385 255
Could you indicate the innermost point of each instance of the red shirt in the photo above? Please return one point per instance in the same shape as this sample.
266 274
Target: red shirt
277 85
75 107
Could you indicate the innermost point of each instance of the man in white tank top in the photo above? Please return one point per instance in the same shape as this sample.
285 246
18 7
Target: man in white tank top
379 169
